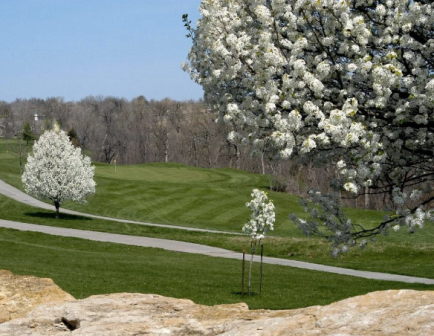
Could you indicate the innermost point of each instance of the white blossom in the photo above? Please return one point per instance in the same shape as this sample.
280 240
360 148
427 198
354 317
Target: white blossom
262 216
349 186
344 81
57 171
341 164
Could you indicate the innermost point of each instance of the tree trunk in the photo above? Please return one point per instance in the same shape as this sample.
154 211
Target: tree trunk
250 272
208 149
300 169
252 250
238 155
229 153
166 149
196 156
57 205
366 197
260 272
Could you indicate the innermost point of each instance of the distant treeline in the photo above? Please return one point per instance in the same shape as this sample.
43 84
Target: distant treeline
143 131
132 132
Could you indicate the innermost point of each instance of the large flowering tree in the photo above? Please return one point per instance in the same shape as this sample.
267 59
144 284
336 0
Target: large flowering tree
58 171
350 82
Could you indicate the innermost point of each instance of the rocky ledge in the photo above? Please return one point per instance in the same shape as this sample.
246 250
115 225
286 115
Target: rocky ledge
397 312
21 294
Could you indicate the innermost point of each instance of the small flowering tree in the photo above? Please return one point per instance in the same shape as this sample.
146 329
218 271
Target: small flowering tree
261 221
348 82
58 171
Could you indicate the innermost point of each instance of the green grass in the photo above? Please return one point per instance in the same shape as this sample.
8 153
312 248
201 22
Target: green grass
9 164
85 268
178 195
182 195
393 255
206 198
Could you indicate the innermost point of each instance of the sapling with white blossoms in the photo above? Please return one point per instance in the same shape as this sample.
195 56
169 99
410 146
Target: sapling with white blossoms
261 221
262 217
348 82
58 171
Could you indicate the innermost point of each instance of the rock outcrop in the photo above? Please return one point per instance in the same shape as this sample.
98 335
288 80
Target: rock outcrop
395 312
21 294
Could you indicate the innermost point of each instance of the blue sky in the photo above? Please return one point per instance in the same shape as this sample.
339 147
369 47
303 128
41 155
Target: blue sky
76 48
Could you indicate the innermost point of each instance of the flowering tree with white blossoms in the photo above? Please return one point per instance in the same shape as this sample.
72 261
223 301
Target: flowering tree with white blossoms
58 171
261 221
350 82
262 217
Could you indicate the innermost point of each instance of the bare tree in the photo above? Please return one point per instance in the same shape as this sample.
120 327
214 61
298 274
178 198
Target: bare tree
19 148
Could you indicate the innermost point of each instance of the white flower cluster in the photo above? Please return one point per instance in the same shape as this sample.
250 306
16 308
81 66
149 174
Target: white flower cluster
347 80
262 216
57 170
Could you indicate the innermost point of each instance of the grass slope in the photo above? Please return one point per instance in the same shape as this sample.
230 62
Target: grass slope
182 195
178 195
206 198
9 163
84 268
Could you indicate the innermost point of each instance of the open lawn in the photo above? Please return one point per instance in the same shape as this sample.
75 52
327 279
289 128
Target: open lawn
181 195
84 268
409 255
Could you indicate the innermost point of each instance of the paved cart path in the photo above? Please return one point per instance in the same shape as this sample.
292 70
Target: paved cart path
177 246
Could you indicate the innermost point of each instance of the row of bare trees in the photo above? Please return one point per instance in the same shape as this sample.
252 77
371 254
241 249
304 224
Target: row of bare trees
143 131
132 132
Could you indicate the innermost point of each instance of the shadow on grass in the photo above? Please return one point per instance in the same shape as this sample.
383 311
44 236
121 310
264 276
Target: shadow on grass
245 294
52 215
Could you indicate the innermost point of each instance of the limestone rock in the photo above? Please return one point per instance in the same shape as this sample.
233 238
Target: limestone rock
21 294
402 312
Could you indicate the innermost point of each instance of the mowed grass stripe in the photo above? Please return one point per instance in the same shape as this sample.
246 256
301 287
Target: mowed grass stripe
171 201
141 173
211 211
134 204
160 172
175 204
218 209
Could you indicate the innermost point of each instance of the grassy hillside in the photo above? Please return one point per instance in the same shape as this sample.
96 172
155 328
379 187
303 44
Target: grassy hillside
179 195
9 162
182 195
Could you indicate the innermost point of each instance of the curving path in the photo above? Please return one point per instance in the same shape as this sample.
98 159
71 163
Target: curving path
177 246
